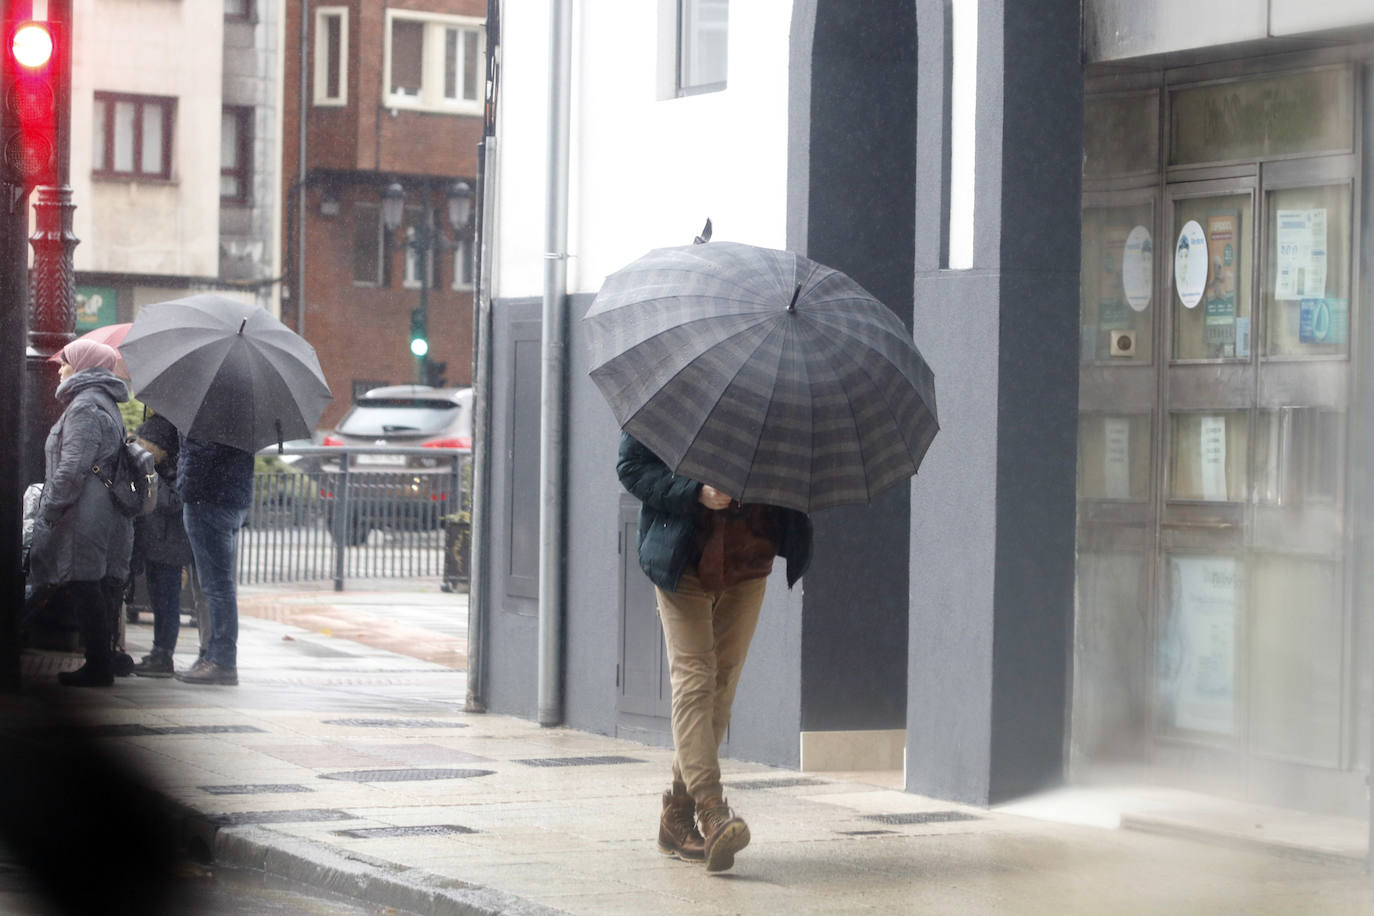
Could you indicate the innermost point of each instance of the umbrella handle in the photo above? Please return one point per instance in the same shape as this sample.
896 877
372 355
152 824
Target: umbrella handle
281 446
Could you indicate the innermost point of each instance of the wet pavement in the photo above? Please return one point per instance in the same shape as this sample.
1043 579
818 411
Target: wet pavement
341 764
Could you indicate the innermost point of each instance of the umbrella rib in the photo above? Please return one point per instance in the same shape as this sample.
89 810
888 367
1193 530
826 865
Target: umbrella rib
781 328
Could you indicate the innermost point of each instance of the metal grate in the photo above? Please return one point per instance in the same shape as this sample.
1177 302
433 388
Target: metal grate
394 723
782 782
577 761
374 833
403 775
303 816
866 832
206 730
920 817
254 790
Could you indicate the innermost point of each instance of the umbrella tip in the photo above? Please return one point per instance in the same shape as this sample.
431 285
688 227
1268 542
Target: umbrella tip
792 306
705 234
243 324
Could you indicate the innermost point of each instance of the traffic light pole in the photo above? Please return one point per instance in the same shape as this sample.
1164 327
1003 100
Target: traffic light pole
52 311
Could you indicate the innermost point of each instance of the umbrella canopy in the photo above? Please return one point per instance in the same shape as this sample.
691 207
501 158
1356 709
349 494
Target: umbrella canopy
109 334
225 371
764 374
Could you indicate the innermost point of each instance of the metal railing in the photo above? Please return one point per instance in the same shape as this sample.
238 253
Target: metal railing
358 512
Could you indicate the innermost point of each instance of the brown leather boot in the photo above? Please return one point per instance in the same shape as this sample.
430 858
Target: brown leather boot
725 834
677 829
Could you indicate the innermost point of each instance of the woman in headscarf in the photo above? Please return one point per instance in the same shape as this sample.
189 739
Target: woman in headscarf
80 540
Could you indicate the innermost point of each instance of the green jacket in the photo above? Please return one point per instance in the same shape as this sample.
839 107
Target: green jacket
667 519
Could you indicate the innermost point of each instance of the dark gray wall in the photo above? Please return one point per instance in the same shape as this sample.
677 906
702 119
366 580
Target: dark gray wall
993 508
861 141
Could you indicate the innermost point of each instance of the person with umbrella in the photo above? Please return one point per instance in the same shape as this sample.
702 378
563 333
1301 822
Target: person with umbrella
161 548
215 482
232 379
753 386
708 557
80 540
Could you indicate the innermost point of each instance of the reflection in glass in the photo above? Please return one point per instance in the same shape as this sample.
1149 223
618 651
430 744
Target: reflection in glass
1113 457
1298 456
1111 693
1207 455
1217 326
1116 284
1307 283
1195 656
1295 648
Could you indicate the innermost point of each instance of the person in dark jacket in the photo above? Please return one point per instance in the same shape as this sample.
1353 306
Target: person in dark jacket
708 558
215 482
80 540
161 548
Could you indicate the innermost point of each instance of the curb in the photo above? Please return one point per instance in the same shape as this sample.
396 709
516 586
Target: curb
358 877
1313 854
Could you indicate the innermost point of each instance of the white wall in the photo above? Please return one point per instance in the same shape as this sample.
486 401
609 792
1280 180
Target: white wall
150 47
644 173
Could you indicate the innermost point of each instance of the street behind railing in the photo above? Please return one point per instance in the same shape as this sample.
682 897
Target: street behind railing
383 513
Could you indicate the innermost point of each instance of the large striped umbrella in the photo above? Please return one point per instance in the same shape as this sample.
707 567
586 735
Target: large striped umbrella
225 371
764 374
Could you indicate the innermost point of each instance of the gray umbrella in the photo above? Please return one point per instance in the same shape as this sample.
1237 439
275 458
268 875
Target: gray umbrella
769 376
225 371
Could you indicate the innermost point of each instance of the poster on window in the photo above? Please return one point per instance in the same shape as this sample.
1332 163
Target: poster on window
1300 254
1219 300
95 307
1212 454
1323 321
1116 457
1137 274
1196 655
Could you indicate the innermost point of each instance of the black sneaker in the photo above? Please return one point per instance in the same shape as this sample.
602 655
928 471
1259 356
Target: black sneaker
155 664
207 672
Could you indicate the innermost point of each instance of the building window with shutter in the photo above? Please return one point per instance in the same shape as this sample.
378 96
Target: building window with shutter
132 136
235 154
433 62
331 55
462 264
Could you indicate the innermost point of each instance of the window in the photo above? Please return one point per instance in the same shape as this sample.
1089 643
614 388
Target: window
132 136
701 45
235 153
462 264
433 62
240 10
369 246
331 55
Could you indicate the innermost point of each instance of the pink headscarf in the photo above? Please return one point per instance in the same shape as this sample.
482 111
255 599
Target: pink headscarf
88 354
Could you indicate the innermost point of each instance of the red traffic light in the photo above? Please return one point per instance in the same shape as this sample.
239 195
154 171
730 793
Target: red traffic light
32 45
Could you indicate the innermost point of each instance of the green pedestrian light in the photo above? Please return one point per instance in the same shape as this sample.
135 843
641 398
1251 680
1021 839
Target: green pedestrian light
419 336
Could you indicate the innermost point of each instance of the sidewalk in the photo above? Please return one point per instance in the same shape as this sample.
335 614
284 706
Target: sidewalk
352 767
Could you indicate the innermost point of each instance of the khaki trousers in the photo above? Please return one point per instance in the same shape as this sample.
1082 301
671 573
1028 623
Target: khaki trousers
707 635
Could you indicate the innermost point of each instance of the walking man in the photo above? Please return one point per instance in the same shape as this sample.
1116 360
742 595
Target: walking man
216 485
708 558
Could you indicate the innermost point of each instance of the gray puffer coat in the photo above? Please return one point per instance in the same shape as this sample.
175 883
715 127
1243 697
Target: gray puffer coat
80 536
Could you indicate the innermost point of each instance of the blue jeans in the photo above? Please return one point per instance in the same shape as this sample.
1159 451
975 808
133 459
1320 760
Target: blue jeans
164 594
213 531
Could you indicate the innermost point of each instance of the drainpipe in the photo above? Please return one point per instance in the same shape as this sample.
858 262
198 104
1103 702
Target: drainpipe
552 414
299 291
481 427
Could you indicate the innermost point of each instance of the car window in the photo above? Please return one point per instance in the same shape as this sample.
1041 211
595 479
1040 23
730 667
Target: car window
399 418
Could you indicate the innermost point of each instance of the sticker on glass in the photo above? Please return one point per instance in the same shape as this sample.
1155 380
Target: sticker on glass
1137 279
1190 264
